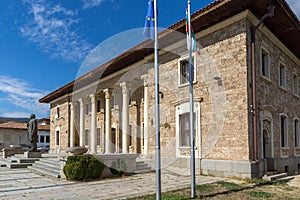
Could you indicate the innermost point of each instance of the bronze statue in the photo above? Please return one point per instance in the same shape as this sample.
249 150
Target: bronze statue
32 132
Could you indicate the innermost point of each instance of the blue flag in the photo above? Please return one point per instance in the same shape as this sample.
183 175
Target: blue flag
149 23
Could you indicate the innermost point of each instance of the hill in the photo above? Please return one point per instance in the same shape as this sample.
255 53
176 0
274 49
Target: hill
6 119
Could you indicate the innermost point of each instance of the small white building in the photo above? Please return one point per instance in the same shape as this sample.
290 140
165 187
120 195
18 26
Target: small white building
15 133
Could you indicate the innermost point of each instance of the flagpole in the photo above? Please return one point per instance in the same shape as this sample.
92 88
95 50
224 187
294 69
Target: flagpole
191 77
157 107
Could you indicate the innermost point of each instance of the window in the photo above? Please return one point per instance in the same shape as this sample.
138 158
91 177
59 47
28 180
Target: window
184 125
87 137
87 109
42 139
296 132
295 85
47 139
265 63
183 69
112 106
57 112
282 74
283 131
130 135
98 136
98 106
57 137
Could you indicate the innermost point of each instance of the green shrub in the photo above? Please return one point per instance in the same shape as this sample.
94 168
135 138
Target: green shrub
83 167
118 167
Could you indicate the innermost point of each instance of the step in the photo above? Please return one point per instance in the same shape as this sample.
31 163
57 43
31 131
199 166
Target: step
11 160
141 171
143 167
50 161
275 177
24 160
18 165
285 179
43 171
48 167
3 164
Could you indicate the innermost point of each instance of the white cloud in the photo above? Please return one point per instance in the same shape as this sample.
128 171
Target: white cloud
22 95
92 3
295 6
51 27
16 114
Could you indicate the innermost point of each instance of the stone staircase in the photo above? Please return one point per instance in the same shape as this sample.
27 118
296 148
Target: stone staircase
49 167
142 166
275 176
17 161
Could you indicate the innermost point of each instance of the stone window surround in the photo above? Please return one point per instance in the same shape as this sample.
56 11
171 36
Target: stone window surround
295 78
181 108
267 76
266 115
185 58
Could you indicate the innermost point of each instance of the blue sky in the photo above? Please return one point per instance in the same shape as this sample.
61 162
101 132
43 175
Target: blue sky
44 42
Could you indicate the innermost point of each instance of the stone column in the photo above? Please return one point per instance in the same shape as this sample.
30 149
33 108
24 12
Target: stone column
93 125
72 132
146 105
81 123
108 148
125 117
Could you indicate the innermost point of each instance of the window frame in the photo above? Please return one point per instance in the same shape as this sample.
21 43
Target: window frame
296 133
187 117
185 58
284 136
263 65
282 76
295 83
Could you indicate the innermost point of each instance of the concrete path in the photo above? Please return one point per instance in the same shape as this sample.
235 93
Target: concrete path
23 184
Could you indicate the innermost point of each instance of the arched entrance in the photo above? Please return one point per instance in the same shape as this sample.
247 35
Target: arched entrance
267 140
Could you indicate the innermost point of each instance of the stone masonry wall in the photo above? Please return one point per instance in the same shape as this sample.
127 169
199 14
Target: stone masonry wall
62 122
222 84
278 100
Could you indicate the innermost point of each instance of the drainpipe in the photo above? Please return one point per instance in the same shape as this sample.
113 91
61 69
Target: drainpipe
253 73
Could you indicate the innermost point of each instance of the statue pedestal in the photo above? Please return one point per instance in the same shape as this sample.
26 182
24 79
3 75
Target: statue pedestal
32 154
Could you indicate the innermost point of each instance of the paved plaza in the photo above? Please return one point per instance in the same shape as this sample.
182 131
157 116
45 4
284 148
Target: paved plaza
23 184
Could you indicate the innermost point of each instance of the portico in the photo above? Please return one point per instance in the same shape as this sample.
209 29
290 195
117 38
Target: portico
100 121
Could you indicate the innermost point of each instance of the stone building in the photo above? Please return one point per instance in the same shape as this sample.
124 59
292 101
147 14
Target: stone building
246 95
15 133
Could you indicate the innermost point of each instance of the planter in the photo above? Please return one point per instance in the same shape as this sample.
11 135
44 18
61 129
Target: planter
77 150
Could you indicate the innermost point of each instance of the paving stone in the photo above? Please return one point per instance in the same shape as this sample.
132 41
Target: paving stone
22 184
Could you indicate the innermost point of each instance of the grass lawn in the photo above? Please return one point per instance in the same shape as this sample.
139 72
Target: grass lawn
248 189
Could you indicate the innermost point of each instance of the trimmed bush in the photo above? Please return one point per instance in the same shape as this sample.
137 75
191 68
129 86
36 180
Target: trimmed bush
83 167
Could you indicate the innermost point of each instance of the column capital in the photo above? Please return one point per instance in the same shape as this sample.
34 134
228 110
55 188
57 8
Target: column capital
124 87
93 98
145 79
71 105
81 102
107 93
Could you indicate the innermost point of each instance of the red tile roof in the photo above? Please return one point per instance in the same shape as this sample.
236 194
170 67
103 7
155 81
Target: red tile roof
284 24
22 126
